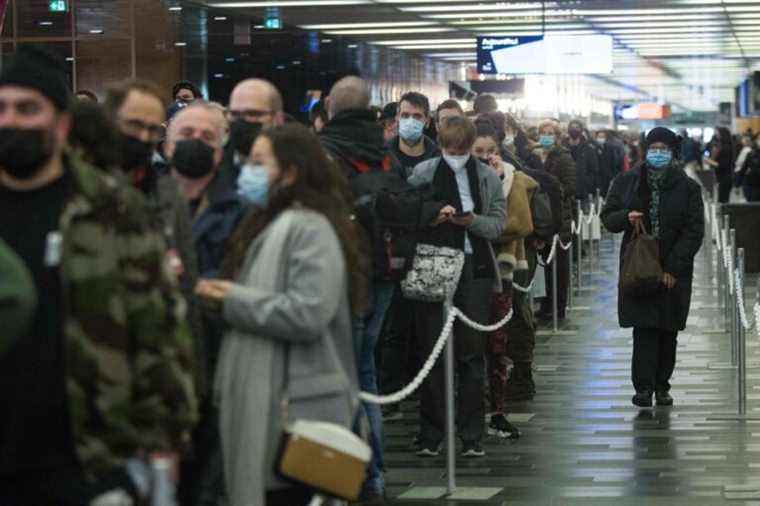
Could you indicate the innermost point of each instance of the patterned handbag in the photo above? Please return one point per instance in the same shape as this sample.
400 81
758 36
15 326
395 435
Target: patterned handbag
434 275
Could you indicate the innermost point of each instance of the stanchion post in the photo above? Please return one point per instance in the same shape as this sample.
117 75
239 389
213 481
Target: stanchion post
727 296
742 344
451 455
709 245
571 289
718 258
580 247
555 316
592 252
724 269
733 299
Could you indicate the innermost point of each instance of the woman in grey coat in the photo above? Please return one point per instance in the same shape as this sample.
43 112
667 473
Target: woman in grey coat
294 261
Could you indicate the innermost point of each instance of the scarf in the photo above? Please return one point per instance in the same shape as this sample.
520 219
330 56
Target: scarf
655 179
450 235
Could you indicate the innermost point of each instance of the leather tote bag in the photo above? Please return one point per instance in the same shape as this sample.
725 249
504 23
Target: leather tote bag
641 273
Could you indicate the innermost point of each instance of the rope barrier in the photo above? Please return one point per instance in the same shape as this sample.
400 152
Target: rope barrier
408 390
740 299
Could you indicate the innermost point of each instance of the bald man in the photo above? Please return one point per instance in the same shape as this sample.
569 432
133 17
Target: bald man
354 139
254 103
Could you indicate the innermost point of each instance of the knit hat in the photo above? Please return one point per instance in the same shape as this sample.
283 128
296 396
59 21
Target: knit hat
34 67
664 135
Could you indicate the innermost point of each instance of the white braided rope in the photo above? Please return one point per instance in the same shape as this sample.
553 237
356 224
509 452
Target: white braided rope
484 328
724 247
524 289
564 247
731 283
433 358
740 298
553 252
756 310
592 214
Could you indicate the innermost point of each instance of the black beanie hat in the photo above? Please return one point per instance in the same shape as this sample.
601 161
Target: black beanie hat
664 135
34 67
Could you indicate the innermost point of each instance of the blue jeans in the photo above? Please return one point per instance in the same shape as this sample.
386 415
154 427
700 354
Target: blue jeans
366 332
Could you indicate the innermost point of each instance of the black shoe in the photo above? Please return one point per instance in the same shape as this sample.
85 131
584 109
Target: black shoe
392 412
500 427
642 399
663 398
473 449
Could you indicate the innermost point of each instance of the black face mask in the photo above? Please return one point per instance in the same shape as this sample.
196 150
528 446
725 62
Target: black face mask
135 153
242 135
574 133
193 158
24 151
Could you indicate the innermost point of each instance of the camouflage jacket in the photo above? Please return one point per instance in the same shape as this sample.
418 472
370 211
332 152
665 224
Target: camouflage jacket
129 353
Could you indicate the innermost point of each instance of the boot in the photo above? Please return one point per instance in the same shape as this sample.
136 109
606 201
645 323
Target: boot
520 386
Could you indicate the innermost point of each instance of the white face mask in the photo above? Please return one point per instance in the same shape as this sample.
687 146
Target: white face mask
509 140
456 162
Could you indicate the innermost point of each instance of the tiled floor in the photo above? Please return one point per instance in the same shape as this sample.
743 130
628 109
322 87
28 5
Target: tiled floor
583 442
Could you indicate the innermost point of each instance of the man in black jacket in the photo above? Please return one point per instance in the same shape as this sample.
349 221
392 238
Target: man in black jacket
354 139
412 146
586 161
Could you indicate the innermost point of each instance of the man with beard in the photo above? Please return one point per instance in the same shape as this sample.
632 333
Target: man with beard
254 104
103 376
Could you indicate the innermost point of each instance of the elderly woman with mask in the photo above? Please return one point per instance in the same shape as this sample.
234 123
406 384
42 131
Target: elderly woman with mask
669 204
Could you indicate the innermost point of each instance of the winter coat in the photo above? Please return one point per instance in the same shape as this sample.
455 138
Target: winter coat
681 232
560 164
586 161
18 297
431 151
129 352
510 247
290 336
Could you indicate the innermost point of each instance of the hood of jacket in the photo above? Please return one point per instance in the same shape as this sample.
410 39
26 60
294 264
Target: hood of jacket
355 136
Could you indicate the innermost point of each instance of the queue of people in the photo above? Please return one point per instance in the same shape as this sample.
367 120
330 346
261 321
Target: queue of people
194 278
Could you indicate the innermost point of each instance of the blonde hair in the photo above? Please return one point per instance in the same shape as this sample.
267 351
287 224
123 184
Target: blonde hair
549 123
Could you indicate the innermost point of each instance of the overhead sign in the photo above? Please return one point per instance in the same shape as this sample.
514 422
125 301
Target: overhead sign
646 111
58 5
552 54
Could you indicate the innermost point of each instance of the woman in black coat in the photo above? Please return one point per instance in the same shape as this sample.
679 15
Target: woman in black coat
669 203
722 159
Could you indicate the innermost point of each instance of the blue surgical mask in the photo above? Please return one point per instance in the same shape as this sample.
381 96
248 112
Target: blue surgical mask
253 185
546 141
659 158
456 162
410 130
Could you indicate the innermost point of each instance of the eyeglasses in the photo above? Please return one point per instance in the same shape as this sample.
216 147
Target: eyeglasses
249 114
136 127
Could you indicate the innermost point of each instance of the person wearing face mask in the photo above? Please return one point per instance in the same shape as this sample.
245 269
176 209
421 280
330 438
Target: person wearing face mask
587 176
473 214
194 148
186 92
412 146
722 160
254 104
103 376
610 158
293 276
659 195
558 162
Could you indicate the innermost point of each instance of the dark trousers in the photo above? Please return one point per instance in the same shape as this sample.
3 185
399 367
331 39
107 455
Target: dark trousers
725 184
563 281
521 329
654 358
296 495
396 358
473 297
61 488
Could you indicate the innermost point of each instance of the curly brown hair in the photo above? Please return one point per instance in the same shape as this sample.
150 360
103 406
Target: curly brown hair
320 186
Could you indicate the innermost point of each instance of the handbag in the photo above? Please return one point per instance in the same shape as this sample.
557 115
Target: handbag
641 273
323 456
434 275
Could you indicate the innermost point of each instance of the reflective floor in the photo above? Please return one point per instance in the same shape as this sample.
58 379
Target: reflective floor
583 443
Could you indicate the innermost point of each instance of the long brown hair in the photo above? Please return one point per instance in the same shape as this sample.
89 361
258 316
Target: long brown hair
319 186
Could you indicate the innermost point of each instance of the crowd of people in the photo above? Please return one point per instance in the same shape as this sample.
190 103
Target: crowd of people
179 274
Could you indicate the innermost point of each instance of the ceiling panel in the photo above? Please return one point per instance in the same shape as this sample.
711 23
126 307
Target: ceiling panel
684 51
